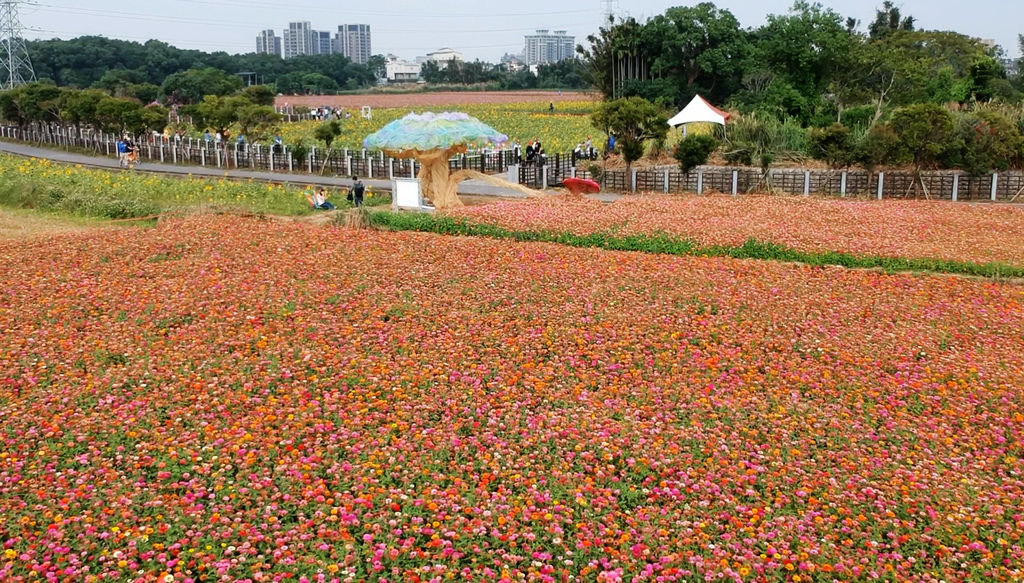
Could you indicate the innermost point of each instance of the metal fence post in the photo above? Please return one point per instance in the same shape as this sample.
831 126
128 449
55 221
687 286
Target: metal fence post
881 184
309 160
735 182
995 186
807 182
956 187
842 184
632 180
700 182
666 180
202 156
348 165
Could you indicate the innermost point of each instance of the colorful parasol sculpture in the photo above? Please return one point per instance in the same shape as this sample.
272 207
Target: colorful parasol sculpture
433 138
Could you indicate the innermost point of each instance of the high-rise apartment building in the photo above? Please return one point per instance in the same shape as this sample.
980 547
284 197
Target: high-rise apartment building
322 43
268 43
353 41
549 47
298 40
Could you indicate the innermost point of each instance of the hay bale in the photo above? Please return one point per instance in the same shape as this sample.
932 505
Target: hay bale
357 218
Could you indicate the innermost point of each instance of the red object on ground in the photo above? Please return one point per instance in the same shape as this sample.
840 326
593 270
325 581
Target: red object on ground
579 186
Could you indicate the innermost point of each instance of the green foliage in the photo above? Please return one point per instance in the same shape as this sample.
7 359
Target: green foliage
984 141
694 150
889 20
832 145
667 244
191 86
327 132
300 152
755 138
880 145
697 49
803 50
633 121
257 122
84 61
259 94
219 113
923 131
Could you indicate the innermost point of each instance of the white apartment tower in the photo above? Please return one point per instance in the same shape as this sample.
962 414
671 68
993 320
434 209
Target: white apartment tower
298 40
268 43
549 47
353 41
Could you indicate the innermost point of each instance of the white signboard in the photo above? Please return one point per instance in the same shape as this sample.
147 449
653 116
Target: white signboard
406 193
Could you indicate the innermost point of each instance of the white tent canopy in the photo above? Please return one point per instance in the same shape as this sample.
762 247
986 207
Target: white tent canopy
698 110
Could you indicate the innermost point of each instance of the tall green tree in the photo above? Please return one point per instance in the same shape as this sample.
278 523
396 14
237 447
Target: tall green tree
191 86
803 51
633 121
700 49
924 130
888 20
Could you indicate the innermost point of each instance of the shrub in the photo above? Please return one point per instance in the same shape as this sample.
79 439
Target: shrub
879 146
923 130
832 145
300 152
984 141
693 151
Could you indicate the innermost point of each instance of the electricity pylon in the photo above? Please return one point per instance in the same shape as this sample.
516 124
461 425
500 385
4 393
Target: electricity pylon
15 66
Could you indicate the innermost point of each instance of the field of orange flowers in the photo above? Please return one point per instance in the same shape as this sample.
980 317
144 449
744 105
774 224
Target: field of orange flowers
893 228
222 399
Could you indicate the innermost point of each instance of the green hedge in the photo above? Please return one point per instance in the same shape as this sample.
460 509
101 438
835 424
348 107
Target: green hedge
672 245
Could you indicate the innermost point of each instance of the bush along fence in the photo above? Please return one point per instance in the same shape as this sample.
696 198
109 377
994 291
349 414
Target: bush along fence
549 171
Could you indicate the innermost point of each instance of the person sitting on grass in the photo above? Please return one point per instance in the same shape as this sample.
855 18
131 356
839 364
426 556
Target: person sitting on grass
320 201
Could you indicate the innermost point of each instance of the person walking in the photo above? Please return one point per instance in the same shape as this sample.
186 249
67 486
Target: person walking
357 191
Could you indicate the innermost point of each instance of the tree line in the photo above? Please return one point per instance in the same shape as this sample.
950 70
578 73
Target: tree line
141 70
810 64
810 84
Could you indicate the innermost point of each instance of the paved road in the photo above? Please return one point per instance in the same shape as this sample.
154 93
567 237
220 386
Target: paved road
468 187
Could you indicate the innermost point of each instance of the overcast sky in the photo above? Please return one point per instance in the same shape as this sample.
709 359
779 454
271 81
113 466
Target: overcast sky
480 30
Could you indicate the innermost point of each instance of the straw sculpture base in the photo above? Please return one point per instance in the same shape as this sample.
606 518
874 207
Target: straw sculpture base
441 186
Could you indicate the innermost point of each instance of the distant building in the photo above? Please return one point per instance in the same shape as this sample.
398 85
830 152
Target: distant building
268 43
442 57
399 71
1012 67
322 43
549 47
512 62
298 40
353 41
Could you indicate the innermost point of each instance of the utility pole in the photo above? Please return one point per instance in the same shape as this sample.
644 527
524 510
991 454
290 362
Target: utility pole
610 6
15 66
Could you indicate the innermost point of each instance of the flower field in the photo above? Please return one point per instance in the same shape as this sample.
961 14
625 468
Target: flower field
222 399
559 131
892 228
74 190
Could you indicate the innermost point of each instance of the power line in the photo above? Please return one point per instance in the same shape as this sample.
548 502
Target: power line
16 68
